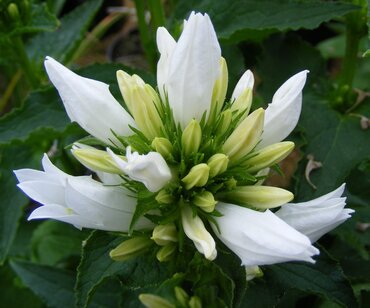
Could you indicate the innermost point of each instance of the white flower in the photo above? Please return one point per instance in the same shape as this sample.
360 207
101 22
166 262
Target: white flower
282 115
80 201
261 238
89 103
245 82
150 169
316 217
187 70
195 230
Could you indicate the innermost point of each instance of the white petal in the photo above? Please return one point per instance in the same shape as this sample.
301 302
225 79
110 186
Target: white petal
193 69
195 230
109 178
261 238
245 82
316 217
281 116
150 169
89 103
166 45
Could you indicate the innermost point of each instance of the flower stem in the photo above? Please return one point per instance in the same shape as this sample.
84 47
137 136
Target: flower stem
157 13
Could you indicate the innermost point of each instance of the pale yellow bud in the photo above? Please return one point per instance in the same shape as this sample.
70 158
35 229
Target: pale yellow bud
164 197
219 91
197 176
205 201
130 248
253 272
217 164
163 146
13 11
269 156
154 301
195 302
258 197
181 296
142 101
243 103
245 137
166 253
191 138
226 118
165 234
96 160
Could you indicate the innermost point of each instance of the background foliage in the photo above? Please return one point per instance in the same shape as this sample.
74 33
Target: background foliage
44 263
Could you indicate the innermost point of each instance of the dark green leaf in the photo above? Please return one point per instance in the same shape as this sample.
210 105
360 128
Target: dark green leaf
62 43
53 285
237 20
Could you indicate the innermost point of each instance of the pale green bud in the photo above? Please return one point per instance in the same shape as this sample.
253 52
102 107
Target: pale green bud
231 183
13 11
154 301
219 91
197 176
217 164
181 296
191 138
166 252
163 146
195 302
226 118
245 137
253 272
96 160
243 103
164 197
130 248
142 101
269 156
165 234
205 201
258 197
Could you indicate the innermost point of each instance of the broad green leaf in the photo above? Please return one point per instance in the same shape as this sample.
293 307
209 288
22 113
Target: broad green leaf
54 241
53 285
324 278
235 20
12 200
96 266
62 43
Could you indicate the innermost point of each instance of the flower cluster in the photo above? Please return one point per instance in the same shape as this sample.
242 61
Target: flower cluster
182 164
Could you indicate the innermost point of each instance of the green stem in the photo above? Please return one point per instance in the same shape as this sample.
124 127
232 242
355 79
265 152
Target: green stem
145 34
157 13
9 90
25 63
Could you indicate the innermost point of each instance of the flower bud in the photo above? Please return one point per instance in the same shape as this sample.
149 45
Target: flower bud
269 156
96 160
226 118
163 146
165 234
243 103
253 272
142 101
166 252
231 183
197 176
13 11
181 296
191 138
163 197
195 302
257 197
130 248
219 91
205 201
245 137
154 301
217 164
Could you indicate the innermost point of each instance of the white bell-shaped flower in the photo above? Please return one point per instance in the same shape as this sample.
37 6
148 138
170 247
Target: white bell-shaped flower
316 217
261 238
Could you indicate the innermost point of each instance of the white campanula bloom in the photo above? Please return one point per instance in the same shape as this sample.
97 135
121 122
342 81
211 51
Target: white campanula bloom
80 201
192 167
